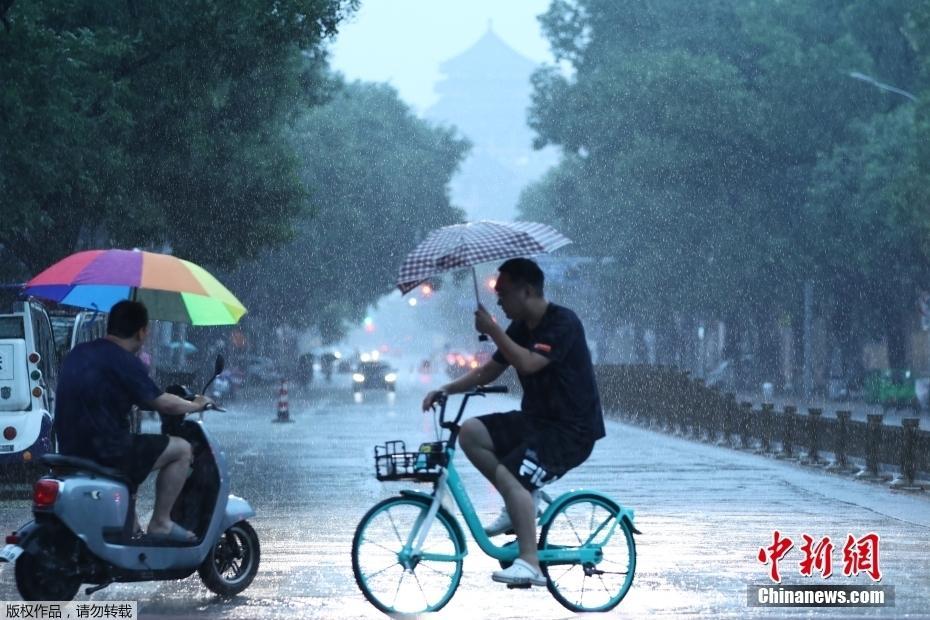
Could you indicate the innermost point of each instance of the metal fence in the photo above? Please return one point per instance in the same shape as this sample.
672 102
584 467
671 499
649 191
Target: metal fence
667 399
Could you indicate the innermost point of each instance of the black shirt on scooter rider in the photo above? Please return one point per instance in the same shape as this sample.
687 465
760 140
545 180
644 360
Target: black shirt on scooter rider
98 385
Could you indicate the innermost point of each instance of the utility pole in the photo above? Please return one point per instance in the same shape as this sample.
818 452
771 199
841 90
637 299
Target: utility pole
807 370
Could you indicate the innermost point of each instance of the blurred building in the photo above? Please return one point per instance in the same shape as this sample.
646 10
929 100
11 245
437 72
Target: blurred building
486 93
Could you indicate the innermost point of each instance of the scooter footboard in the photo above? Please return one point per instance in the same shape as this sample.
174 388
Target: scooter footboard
237 509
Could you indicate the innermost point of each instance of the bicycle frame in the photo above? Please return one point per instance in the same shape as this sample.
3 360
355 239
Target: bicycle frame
450 481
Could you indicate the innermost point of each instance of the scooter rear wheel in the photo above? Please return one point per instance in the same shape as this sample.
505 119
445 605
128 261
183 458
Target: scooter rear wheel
231 565
40 583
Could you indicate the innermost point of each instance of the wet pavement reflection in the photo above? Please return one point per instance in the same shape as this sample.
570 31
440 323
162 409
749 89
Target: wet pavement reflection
704 512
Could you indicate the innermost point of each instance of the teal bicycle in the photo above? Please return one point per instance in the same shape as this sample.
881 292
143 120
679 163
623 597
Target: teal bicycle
408 550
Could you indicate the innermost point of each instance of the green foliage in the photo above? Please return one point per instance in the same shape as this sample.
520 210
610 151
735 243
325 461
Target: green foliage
693 133
214 129
378 180
154 123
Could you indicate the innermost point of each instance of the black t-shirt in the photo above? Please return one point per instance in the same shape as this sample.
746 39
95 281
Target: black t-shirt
98 384
563 393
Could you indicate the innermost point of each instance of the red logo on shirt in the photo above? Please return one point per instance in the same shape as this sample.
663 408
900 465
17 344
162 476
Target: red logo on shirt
545 348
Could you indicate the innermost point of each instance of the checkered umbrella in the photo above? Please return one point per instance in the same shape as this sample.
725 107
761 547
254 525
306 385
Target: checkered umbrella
466 245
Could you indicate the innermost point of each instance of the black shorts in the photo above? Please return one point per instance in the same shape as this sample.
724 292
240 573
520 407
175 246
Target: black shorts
143 451
534 450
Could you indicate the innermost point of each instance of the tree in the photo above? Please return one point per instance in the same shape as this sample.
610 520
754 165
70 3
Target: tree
139 123
868 212
869 202
692 133
378 180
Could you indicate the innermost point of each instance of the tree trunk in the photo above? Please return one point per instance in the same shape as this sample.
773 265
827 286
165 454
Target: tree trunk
769 345
733 334
688 351
896 334
640 349
664 328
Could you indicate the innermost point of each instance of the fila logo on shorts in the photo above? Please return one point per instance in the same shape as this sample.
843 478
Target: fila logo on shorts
533 471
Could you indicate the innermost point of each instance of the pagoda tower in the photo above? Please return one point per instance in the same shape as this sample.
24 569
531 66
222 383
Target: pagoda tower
485 93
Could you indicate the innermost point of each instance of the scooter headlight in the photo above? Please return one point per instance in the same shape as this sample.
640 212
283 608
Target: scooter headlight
358 377
391 377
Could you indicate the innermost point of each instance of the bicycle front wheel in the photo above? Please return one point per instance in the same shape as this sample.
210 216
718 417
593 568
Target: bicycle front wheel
393 582
590 521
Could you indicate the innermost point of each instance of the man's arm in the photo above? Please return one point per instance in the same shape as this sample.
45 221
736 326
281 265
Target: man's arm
524 361
169 404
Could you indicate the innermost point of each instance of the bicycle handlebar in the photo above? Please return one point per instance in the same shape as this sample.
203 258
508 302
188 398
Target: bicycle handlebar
481 390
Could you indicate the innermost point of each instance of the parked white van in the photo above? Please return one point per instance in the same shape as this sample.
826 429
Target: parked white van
28 377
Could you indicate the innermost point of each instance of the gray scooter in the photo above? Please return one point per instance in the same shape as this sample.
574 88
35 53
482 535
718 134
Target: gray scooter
84 516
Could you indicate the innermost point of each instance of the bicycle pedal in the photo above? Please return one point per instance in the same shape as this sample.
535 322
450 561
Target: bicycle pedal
520 586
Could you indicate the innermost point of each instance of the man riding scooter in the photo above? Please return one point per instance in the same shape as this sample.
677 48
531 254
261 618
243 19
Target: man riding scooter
98 383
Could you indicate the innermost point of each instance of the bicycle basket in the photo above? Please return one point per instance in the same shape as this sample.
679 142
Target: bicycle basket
393 462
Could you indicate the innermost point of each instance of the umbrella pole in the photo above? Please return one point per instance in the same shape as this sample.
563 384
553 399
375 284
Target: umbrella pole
474 276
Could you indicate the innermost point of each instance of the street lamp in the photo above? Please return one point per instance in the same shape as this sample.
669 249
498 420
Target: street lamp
865 78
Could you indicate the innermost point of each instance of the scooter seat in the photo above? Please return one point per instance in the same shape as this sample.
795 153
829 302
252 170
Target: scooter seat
74 462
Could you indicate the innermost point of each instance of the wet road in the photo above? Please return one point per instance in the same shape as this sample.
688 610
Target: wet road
704 511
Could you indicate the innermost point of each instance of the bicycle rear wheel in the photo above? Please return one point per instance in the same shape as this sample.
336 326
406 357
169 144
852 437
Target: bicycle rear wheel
395 584
585 521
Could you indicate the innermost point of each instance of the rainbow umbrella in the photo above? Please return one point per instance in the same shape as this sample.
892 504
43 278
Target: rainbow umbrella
172 288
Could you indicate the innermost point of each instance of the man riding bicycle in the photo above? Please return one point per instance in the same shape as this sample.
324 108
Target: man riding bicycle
560 418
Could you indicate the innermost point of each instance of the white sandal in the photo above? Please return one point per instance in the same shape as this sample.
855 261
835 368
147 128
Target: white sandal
519 573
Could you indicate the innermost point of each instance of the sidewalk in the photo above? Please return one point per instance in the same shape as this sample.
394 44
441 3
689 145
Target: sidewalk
859 409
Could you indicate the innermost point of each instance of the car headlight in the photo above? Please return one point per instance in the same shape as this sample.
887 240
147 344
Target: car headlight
391 377
358 377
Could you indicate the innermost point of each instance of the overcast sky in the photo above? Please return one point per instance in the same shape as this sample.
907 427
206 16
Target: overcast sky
402 42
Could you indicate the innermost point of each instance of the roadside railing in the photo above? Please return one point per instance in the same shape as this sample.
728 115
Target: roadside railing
667 399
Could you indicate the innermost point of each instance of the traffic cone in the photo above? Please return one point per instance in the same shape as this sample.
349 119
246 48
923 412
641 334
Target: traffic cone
284 414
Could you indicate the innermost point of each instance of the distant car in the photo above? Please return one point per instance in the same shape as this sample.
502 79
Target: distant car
373 375
459 364
262 369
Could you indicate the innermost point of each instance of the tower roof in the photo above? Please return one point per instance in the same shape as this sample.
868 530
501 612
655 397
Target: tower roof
488 51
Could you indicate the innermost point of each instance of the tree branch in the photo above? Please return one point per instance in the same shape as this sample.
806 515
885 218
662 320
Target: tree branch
5 6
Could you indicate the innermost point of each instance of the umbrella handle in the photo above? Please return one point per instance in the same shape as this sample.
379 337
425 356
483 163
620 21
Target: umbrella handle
474 276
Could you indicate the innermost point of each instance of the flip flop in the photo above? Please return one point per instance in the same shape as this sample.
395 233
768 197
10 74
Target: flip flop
175 534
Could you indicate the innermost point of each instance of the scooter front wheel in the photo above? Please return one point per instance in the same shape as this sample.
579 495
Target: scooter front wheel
231 565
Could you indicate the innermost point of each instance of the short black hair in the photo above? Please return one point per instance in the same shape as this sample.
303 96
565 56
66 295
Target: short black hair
524 271
126 318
